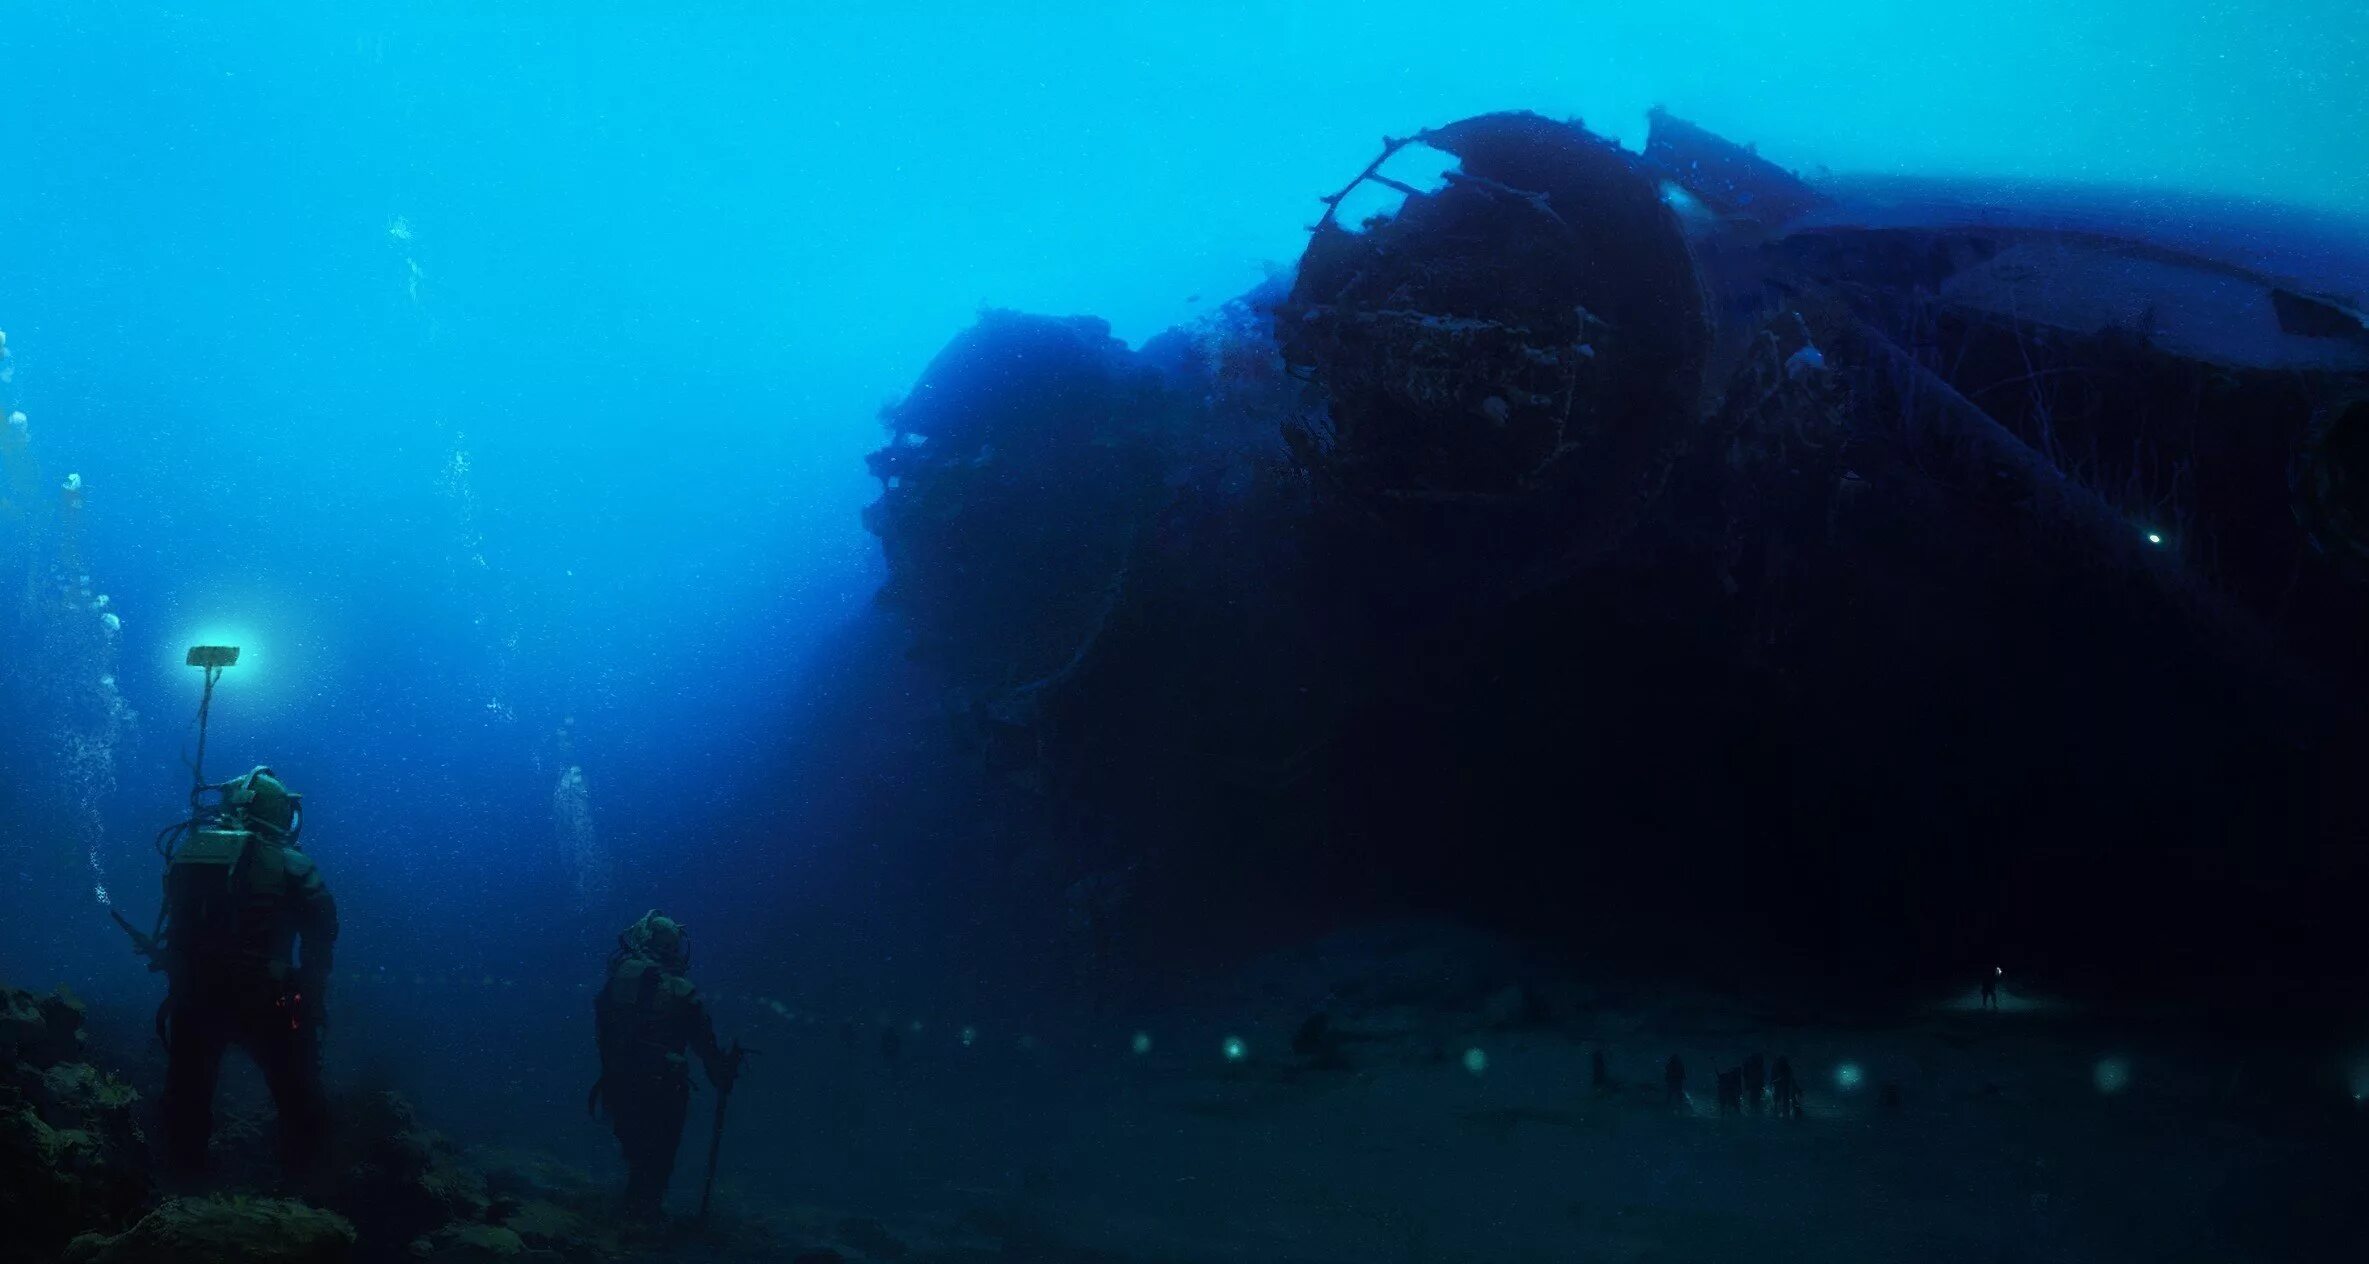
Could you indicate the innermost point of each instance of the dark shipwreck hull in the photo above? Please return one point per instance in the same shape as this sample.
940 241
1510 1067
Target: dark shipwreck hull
1672 560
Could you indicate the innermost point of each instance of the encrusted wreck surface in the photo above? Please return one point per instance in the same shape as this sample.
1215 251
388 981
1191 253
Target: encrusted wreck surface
1532 328
1702 569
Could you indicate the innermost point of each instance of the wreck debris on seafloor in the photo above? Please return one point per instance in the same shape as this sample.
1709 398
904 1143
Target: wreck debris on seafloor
1600 471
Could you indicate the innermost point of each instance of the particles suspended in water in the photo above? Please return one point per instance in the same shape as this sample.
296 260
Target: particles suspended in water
579 840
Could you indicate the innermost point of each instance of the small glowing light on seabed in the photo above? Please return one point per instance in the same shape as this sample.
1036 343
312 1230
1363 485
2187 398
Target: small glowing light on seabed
970 1036
1142 1043
1476 1061
2111 1075
2155 537
1848 1076
1235 1049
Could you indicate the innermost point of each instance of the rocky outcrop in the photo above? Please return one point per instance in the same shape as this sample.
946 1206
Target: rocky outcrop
479 1244
229 1230
400 1179
71 1156
74 1177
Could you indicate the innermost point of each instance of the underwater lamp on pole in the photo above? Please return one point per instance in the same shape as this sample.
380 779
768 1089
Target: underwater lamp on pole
211 658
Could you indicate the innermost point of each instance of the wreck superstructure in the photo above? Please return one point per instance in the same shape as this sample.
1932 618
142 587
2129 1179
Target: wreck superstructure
1700 541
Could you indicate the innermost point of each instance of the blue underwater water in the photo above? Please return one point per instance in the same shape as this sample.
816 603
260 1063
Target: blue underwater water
499 377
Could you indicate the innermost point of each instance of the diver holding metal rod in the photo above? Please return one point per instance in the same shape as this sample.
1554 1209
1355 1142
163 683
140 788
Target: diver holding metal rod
648 1023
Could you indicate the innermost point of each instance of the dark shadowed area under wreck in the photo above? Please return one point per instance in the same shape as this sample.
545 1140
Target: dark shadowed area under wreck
1627 700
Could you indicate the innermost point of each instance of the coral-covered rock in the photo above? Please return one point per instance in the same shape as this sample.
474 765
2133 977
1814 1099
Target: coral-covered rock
40 1031
479 1244
224 1231
78 1090
564 1233
71 1156
400 1179
525 1177
871 1238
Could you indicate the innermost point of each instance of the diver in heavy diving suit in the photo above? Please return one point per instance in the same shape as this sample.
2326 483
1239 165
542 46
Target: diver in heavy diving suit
646 1017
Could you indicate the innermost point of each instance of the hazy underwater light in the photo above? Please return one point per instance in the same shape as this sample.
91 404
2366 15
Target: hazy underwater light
1560 561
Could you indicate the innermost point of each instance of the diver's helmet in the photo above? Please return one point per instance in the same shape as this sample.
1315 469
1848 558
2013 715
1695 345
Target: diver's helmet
660 938
265 805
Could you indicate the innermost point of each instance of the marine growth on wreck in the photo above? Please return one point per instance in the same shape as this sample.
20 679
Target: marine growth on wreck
1161 635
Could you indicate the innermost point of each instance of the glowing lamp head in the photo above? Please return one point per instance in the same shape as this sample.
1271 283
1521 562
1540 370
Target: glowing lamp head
1849 1077
1141 1044
2155 538
213 648
1476 1061
1235 1050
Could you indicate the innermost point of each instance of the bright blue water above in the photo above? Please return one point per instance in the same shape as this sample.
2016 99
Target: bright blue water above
499 371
